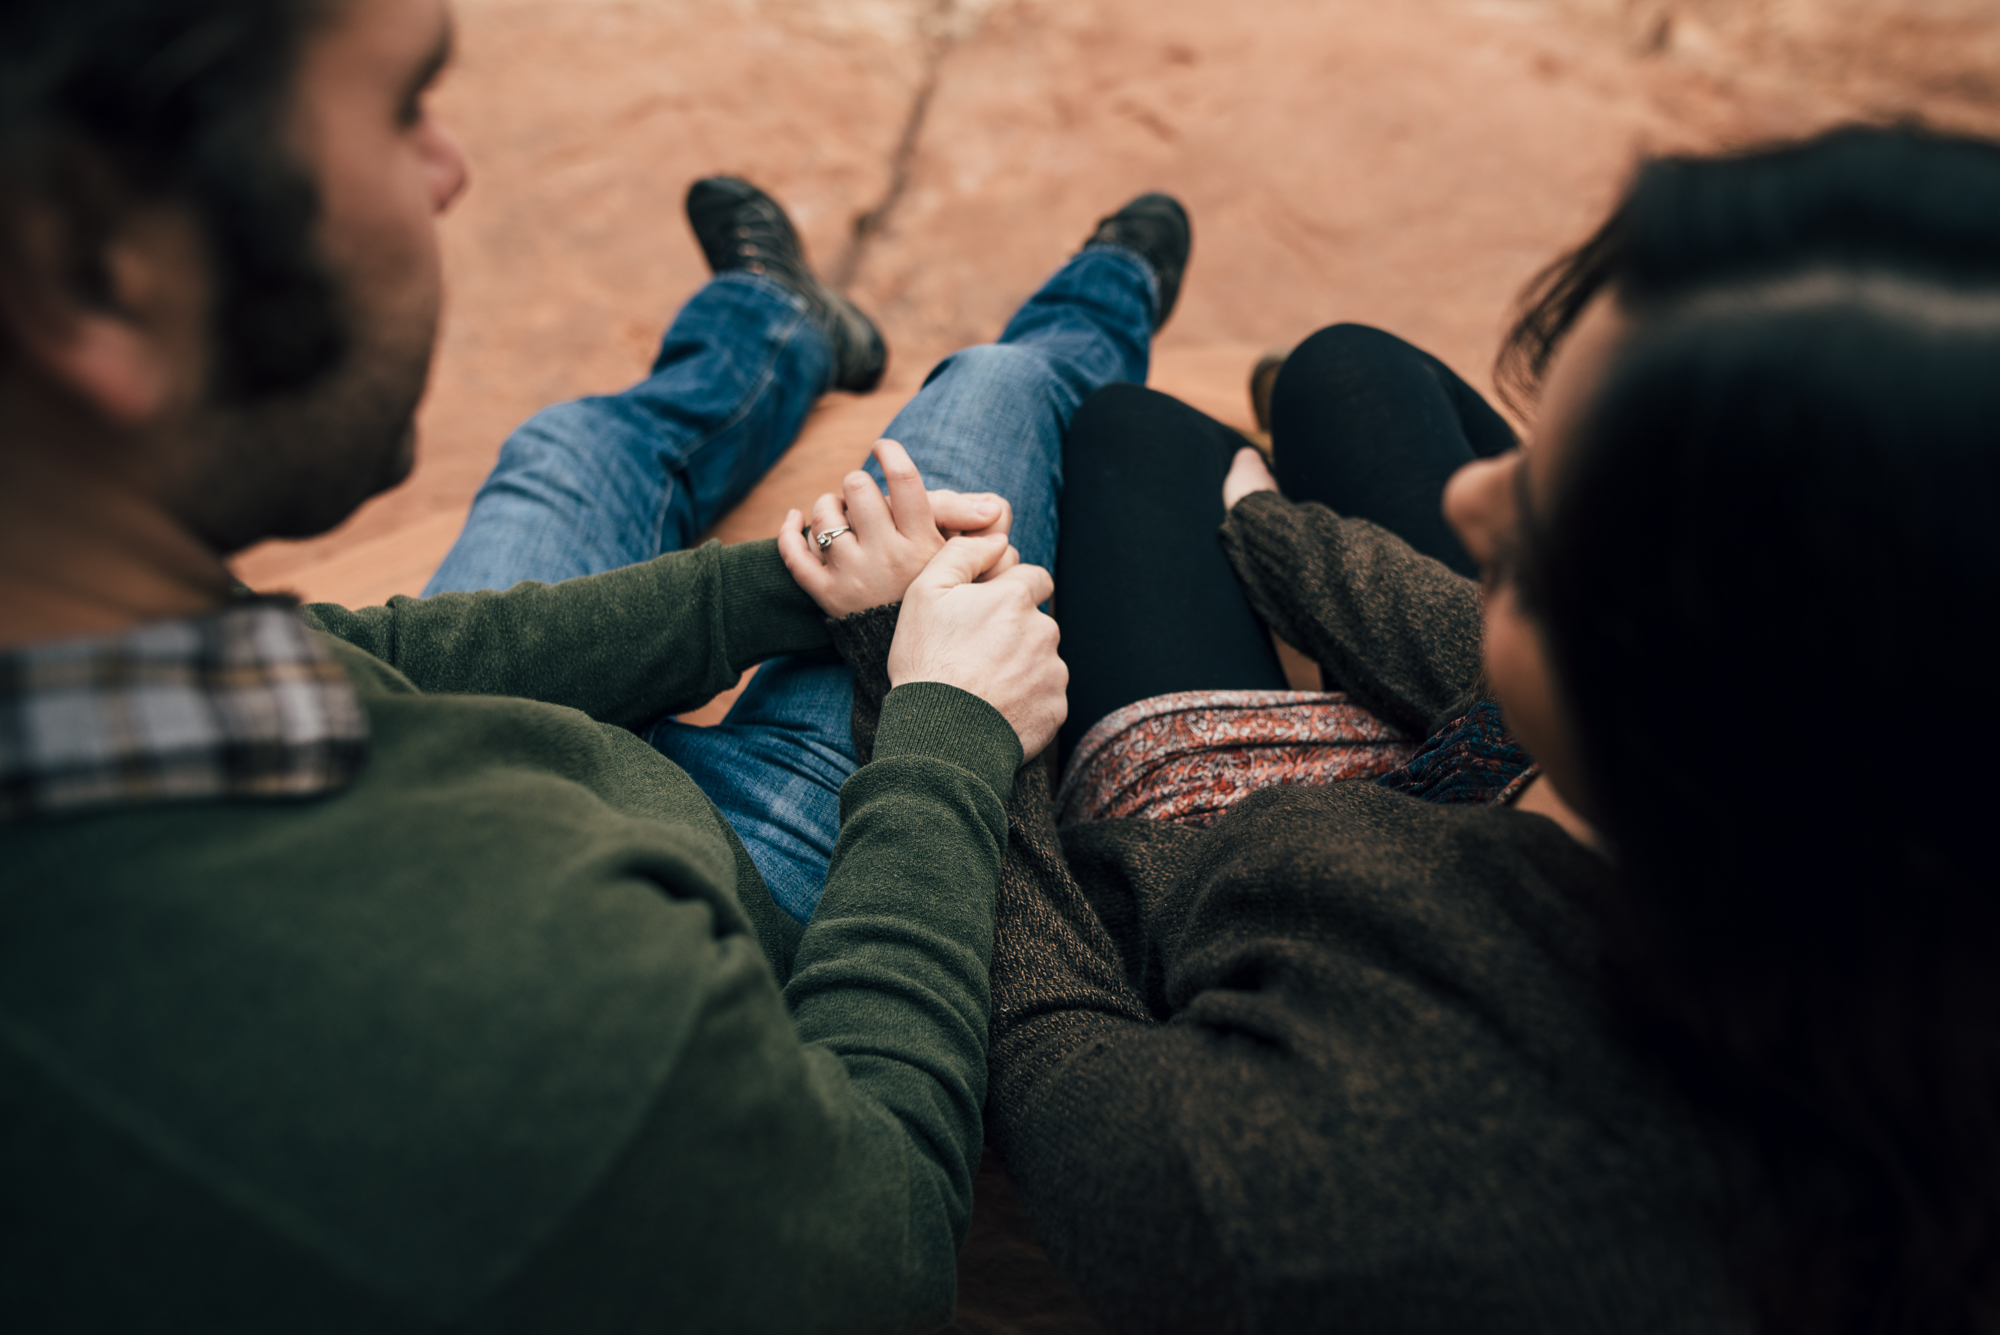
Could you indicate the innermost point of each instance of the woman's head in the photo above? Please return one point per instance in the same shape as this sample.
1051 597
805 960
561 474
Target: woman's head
1750 565
1495 505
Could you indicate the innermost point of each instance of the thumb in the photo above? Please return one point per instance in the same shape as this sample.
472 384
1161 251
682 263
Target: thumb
1008 560
960 561
1041 585
963 512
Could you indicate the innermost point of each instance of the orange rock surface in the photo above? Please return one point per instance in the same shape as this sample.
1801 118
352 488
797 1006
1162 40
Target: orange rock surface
1407 163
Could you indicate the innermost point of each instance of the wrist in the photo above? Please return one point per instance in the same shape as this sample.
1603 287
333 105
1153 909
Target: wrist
946 722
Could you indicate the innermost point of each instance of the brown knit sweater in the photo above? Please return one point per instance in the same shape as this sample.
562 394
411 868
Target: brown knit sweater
1338 1061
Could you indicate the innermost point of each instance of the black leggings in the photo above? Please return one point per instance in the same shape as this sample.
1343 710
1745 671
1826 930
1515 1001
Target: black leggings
1360 421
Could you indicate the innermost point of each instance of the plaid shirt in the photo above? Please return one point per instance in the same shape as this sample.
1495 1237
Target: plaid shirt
245 702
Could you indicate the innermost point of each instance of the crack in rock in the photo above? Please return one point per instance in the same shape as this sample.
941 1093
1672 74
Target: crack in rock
942 25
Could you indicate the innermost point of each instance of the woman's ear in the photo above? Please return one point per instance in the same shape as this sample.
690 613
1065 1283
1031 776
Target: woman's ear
115 321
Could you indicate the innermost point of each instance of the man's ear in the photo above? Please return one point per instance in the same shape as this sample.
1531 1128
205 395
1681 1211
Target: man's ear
114 316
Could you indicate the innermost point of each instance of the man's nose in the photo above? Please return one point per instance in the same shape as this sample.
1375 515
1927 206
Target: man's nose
449 171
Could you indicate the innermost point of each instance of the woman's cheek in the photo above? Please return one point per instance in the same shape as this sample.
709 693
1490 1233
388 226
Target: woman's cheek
1517 671
1518 675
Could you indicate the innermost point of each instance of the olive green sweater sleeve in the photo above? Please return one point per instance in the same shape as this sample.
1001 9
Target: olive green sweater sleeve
815 1174
626 647
892 975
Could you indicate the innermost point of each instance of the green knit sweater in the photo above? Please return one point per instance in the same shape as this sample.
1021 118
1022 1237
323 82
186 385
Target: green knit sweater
508 1035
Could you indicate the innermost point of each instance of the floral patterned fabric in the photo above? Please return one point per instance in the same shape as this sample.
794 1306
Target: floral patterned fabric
1188 756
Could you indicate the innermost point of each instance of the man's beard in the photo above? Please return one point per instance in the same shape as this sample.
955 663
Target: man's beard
296 465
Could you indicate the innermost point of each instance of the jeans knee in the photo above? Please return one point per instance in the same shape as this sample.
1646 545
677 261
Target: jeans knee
583 439
554 432
1003 366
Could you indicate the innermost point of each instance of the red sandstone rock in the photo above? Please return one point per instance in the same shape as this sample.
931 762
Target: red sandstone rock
1408 164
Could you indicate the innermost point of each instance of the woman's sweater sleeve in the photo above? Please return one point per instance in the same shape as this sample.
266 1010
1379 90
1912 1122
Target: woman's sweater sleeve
1395 629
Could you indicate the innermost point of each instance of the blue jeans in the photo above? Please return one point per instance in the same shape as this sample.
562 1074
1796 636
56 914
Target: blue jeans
607 481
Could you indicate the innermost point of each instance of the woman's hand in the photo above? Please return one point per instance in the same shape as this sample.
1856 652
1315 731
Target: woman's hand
1247 473
886 543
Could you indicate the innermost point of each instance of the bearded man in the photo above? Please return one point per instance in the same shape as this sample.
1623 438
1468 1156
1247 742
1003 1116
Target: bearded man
408 967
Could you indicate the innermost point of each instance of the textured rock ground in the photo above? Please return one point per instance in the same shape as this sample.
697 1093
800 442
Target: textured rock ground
1403 162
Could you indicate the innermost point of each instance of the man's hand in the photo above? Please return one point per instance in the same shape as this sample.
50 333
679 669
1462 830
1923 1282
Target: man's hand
986 637
1247 473
886 543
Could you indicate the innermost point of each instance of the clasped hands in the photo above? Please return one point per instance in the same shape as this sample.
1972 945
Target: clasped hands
970 614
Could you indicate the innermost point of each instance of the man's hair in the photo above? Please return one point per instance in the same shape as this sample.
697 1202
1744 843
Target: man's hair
1766 580
104 102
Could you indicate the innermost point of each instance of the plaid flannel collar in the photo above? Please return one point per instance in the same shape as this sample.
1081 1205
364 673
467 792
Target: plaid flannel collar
245 702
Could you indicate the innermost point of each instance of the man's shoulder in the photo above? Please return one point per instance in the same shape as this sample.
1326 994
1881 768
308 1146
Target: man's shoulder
370 675
407 1027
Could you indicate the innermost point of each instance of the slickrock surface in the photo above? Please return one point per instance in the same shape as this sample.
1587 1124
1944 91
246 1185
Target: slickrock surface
1408 163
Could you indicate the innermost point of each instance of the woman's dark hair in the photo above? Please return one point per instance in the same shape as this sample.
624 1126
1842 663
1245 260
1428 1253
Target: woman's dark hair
103 101
1765 578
